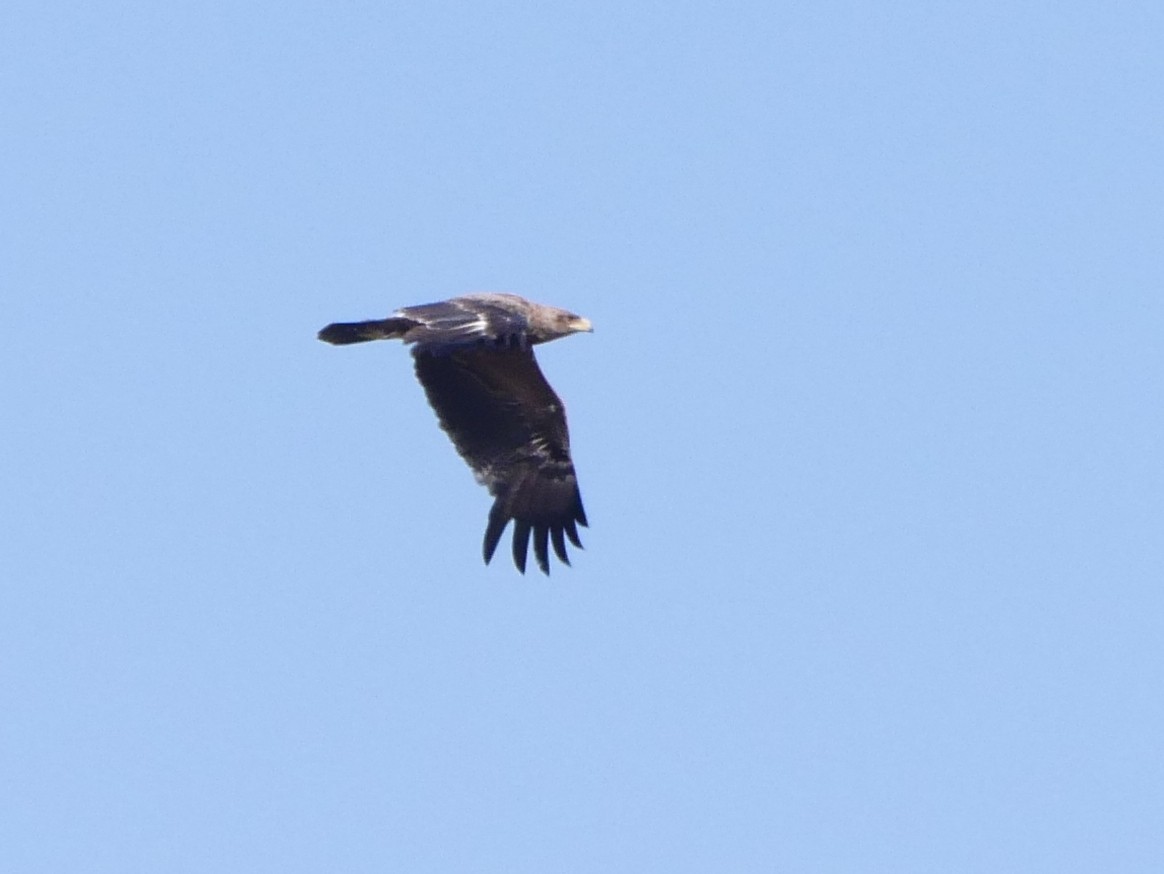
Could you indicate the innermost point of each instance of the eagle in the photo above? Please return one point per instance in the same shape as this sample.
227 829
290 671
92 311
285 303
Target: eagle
474 357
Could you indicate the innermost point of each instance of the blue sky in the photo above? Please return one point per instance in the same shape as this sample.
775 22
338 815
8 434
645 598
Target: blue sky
868 433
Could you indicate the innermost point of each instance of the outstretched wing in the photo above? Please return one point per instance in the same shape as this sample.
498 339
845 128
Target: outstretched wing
465 321
510 427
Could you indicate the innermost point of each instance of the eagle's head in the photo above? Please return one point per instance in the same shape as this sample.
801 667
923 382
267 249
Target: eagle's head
549 323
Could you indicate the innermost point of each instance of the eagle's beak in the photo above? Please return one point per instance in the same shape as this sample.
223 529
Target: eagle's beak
581 324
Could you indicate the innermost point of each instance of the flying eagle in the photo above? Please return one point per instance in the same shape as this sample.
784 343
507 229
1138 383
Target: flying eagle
474 357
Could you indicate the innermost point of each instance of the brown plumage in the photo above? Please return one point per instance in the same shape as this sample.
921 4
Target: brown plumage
474 357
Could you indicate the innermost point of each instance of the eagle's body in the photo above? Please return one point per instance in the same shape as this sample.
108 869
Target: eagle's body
475 360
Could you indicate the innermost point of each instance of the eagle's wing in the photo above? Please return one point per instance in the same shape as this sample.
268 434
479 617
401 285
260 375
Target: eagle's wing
464 321
510 427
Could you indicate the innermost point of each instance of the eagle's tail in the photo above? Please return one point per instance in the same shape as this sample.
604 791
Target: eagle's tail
343 333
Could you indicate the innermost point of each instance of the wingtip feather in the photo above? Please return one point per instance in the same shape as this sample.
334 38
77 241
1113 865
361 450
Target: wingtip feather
520 543
541 547
493 531
559 545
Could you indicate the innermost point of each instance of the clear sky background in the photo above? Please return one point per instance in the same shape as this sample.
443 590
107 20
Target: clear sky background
869 433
